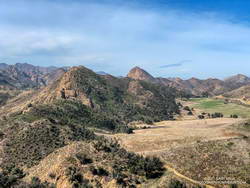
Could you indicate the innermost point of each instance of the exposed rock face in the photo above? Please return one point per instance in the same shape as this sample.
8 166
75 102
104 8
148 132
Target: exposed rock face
139 74
115 96
69 84
12 78
193 85
26 76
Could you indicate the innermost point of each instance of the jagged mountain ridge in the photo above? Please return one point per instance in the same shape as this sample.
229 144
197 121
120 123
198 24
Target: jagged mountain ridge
194 86
26 76
126 99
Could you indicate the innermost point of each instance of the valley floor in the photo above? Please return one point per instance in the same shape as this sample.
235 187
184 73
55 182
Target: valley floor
196 149
212 105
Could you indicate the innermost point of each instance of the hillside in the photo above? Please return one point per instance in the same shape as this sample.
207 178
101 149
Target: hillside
242 92
61 126
238 80
49 143
60 117
26 76
137 73
193 86
135 101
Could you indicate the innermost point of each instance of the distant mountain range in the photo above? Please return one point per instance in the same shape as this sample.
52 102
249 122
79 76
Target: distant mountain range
25 76
194 86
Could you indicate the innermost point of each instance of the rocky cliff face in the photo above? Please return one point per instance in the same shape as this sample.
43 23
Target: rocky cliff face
139 74
26 76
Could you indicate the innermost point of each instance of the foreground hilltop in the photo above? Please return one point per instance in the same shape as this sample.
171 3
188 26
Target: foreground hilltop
61 117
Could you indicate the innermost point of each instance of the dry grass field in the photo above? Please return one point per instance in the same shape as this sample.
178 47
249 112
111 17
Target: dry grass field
169 134
198 149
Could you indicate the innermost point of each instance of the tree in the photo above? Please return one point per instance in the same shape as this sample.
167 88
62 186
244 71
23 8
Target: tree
63 96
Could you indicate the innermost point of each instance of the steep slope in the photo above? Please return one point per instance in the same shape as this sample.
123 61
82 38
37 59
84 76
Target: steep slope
239 78
54 75
137 73
134 100
58 119
210 86
193 86
121 99
12 78
26 76
237 81
242 92
69 155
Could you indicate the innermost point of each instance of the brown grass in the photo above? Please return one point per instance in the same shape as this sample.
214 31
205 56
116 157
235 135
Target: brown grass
168 134
197 149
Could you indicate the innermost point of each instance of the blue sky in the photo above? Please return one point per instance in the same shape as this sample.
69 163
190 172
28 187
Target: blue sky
168 38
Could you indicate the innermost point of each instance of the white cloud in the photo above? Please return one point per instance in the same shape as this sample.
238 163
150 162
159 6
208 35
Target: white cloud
115 38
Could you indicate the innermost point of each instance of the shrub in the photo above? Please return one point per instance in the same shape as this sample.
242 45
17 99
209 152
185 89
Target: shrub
201 117
83 158
40 139
76 178
186 108
176 184
11 177
99 171
234 186
234 116
52 175
217 115
36 183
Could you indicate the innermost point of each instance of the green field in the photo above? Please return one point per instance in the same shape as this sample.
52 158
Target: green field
211 105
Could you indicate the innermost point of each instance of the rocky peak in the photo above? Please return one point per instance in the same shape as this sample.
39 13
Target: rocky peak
139 74
239 78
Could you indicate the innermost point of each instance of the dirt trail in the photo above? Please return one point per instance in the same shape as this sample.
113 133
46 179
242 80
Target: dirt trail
185 177
168 135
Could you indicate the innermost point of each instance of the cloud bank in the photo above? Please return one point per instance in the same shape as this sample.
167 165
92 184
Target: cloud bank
115 37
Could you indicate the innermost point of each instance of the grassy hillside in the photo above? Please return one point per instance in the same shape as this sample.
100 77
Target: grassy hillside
211 105
126 100
50 120
119 99
28 144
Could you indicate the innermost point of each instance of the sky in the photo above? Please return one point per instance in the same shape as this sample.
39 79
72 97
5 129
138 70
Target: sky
168 38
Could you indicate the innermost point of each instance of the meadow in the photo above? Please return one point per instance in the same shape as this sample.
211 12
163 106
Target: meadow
212 105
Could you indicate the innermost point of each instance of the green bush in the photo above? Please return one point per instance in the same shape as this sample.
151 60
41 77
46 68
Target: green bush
76 178
83 158
176 184
99 171
40 139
